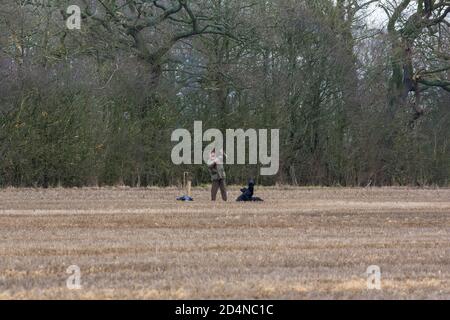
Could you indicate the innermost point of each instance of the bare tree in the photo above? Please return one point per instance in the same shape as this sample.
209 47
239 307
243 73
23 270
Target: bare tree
409 21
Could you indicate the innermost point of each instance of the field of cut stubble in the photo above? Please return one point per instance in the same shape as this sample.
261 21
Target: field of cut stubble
303 243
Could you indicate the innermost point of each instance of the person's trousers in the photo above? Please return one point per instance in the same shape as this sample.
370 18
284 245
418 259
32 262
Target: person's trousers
216 185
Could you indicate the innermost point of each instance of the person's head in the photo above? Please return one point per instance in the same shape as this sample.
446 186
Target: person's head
251 183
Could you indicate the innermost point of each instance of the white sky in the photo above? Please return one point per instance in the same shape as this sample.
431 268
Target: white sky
378 17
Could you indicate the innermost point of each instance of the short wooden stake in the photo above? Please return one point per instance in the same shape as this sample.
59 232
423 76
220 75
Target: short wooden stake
187 181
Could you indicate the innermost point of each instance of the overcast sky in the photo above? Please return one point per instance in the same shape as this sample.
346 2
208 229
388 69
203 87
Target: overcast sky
378 17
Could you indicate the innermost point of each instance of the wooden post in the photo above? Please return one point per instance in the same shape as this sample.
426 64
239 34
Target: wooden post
189 185
187 181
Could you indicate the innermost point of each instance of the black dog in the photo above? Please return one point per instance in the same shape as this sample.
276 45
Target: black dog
247 193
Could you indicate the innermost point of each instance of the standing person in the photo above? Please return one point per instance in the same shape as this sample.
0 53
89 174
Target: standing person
218 176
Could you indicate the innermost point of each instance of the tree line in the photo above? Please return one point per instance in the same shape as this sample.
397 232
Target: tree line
358 88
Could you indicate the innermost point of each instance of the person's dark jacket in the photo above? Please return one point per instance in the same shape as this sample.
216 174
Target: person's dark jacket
216 168
247 193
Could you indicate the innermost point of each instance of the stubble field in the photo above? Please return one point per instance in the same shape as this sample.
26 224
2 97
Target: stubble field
301 243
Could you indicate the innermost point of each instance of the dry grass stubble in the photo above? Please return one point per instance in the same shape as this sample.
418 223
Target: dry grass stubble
301 243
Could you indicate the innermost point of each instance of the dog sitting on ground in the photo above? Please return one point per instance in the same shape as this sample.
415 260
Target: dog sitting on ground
247 193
